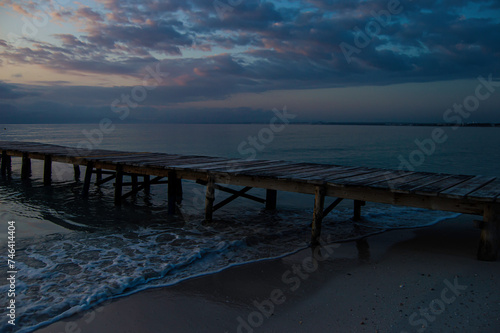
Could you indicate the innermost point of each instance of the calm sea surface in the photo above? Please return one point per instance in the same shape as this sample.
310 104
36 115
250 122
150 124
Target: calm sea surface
73 254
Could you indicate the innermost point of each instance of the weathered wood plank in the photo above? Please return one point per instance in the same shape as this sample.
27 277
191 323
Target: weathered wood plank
285 172
404 178
358 172
442 185
363 178
413 185
253 167
462 189
321 174
487 193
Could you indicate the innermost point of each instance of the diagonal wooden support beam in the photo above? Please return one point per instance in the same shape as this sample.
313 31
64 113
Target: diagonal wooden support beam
103 172
332 206
105 180
156 180
231 191
134 191
231 198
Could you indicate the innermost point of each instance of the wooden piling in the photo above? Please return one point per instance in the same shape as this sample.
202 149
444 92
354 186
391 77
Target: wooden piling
147 185
76 168
209 199
319 204
178 190
6 164
47 170
490 239
98 175
118 184
271 198
26 167
88 178
357 210
135 182
172 192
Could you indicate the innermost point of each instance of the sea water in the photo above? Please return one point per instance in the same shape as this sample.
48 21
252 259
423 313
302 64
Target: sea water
75 253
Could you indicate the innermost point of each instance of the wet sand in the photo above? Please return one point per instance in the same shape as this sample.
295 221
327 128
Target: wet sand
414 280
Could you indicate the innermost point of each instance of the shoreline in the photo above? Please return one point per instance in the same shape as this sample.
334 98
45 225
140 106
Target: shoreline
350 287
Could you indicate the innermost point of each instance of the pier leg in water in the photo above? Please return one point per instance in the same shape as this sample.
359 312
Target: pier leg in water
6 167
135 184
178 191
88 177
118 185
147 185
490 238
47 170
319 203
26 167
98 175
76 168
271 197
209 199
172 192
357 209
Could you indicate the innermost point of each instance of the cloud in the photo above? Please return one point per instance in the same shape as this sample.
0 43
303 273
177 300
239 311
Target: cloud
258 46
12 92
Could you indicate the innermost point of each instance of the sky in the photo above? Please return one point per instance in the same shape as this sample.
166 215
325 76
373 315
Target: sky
206 61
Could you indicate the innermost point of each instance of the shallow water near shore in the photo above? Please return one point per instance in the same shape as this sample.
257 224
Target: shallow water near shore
73 253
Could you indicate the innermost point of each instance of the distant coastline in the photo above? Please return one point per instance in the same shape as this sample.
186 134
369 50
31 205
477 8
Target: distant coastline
406 124
5 126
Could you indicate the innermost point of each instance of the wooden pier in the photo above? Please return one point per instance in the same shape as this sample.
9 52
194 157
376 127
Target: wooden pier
477 195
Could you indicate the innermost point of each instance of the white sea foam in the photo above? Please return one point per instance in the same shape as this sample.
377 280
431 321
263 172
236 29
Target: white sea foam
61 274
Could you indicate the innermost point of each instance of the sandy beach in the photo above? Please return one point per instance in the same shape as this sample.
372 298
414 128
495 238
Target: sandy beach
412 280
